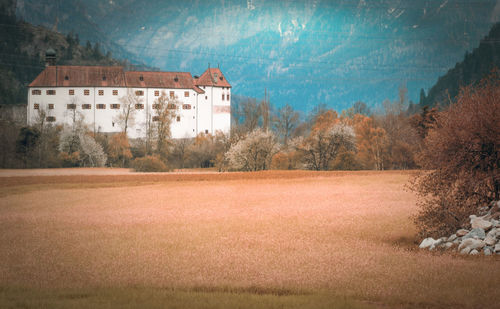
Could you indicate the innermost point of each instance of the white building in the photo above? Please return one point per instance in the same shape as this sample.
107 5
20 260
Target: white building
94 92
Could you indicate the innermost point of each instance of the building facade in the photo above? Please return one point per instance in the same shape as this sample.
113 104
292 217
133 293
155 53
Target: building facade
95 95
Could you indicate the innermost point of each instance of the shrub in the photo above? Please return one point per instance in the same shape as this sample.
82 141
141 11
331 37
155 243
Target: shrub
462 155
149 164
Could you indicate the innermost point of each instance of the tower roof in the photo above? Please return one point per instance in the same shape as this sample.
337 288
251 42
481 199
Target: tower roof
212 77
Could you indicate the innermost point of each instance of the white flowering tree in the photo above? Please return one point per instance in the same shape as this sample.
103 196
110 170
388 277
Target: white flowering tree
82 146
254 152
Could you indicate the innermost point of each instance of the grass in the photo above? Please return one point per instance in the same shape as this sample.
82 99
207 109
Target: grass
272 239
165 298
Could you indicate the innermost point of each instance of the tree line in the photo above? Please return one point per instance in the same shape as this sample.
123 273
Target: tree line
262 137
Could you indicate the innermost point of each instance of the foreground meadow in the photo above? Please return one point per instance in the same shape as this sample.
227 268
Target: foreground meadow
235 240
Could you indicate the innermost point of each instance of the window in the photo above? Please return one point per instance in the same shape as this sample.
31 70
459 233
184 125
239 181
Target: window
86 106
156 106
71 106
66 77
115 106
206 131
51 118
227 97
186 106
141 78
156 118
139 106
51 106
115 92
186 94
101 106
222 97
171 106
139 93
101 92
104 77
71 92
172 94
36 92
36 106
51 92
206 98
86 92
157 93
178 118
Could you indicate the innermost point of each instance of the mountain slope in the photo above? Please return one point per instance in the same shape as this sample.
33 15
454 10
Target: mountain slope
304 52
475 66
22 51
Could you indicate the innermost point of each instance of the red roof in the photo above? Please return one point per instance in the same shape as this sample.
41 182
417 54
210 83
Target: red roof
212 77
171 80
115 76
80 76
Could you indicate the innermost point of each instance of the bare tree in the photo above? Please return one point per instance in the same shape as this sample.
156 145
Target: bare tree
251 115
285 121
265 111
180 151
126 117
323 146
165 108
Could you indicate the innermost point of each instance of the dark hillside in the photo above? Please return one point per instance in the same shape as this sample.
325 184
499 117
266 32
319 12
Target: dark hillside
22 53
474 67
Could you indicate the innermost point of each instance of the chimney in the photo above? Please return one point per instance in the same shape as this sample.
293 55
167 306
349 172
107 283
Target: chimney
50 57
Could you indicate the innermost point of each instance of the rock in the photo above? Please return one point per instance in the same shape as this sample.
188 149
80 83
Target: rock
472 244
447 245
452 237
475 233
457 241
490 240
497 248
480 223
465 250
493 233
462 232
488 250
426 243
474 252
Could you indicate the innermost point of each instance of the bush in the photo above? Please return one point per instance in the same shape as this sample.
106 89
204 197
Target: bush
149 164
462 155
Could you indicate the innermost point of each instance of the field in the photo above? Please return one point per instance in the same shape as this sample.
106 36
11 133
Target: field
110 238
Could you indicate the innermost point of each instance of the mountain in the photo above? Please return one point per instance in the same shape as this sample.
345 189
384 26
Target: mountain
23 48
475 66
304 52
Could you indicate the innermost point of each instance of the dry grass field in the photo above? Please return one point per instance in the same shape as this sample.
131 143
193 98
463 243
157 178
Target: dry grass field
233 240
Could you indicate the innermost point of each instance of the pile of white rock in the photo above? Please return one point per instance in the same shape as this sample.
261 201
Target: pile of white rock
484 235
